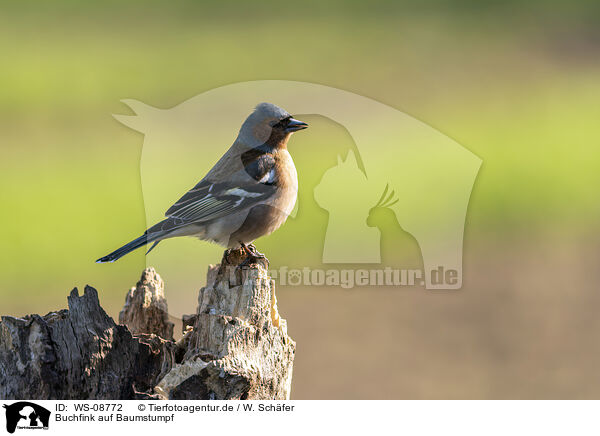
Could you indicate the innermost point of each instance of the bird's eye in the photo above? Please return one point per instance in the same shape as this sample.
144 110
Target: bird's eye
282 123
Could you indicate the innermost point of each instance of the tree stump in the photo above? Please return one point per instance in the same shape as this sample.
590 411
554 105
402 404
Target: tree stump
146 309
234 347
238 347
78 353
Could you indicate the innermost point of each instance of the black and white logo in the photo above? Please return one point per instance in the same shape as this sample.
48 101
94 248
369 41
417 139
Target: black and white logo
26 415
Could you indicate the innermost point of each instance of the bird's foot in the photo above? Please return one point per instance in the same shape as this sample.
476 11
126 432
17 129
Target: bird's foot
227 254
255 252
252 256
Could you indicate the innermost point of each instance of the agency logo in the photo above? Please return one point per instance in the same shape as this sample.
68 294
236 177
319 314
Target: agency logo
26 415
396 199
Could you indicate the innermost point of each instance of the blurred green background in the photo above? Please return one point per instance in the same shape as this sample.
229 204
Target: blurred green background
518 85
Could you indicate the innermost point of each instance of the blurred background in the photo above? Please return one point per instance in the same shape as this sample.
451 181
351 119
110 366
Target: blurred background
518 85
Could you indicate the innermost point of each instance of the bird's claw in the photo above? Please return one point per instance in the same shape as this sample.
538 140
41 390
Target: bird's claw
252 256
252 249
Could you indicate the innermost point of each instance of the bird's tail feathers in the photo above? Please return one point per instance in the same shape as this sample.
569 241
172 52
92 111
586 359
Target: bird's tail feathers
153 245
127 248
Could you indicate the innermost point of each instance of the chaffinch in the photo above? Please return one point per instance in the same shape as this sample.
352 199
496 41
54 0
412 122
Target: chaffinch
247 194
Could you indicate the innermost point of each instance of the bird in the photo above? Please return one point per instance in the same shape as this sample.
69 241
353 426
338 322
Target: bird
248 193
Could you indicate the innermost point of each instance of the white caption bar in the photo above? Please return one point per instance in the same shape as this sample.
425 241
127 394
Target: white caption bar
334 417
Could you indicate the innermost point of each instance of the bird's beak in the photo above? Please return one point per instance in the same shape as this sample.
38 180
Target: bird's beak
294 125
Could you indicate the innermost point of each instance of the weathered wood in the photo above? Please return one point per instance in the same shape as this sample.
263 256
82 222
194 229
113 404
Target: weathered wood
239 347
78 353
235 346
146 309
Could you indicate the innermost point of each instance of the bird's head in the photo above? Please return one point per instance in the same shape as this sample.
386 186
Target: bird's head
270 125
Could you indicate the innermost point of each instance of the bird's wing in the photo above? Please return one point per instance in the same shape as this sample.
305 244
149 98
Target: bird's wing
207 200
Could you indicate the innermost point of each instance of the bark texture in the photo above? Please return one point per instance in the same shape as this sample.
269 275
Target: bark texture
146 309
238 347
78 353
234 347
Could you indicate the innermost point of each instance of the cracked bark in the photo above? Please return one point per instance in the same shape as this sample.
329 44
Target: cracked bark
234 347
146 309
